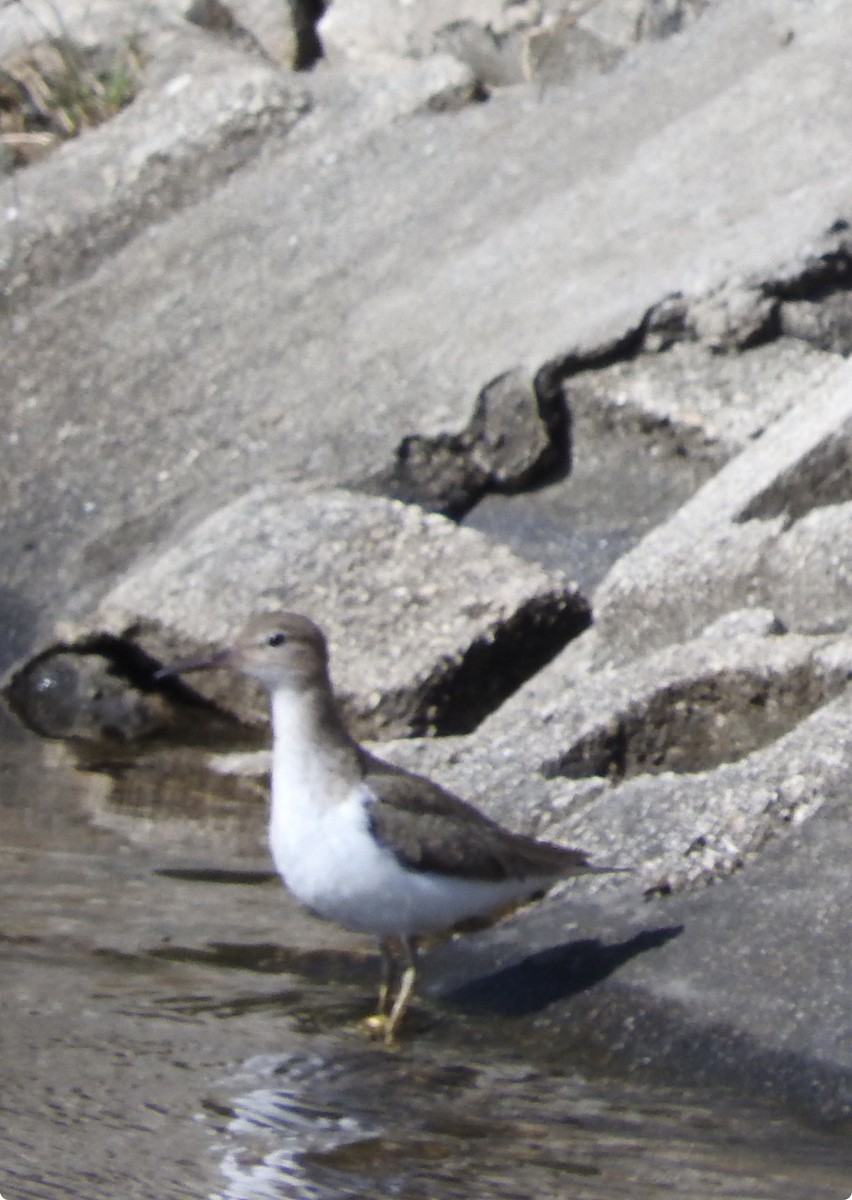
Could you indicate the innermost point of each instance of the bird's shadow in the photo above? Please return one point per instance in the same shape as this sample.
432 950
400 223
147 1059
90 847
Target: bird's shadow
531 984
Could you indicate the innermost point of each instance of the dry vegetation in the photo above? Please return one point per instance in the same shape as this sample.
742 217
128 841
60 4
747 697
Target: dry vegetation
55 90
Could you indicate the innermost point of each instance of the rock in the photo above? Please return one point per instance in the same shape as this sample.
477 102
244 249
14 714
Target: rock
559 51
692 402
495 61
519 431
470 620
825 323
435 472
213 15
395 87
691 756
741 984
711 556
502 43
518 435
731 318
204 110
697 826
359 28
416 318
251 292
283 30
734 318
808 571
764 822
72 694
362 28
745 622
662 18
622 22
493 35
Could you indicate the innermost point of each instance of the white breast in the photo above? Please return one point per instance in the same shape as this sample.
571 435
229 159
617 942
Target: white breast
330 861
321 843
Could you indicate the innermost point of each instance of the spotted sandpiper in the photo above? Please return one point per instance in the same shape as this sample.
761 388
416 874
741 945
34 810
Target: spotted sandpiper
364 843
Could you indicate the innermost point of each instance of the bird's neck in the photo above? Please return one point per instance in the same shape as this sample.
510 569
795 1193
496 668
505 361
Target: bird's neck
314 760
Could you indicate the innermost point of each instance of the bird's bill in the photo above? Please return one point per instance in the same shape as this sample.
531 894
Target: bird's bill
203 662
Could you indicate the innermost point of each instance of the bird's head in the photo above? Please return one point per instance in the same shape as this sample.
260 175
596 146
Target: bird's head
278 649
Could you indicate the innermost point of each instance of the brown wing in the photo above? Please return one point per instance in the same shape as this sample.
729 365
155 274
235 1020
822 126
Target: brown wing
430 829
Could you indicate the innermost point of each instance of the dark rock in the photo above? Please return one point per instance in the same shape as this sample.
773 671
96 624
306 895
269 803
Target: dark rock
70 694
212 15
100 691
518 435
434 472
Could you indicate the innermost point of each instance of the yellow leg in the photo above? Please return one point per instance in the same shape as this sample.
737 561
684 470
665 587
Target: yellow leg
387 1018
377 1023
403 996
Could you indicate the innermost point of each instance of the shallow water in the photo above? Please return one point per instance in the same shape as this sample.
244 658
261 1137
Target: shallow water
173 1026
330 1123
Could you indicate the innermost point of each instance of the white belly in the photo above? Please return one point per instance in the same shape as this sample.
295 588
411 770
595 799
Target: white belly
329 860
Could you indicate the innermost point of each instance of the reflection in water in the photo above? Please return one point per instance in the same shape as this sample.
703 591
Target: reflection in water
352 1122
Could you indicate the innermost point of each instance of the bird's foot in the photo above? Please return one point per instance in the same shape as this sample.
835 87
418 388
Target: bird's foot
387 1019
380 1027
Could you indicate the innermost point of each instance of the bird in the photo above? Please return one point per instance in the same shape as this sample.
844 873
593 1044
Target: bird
367 844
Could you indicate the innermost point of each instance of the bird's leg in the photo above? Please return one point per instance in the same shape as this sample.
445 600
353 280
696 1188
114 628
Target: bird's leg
377 1023
389 974
395 952
406 987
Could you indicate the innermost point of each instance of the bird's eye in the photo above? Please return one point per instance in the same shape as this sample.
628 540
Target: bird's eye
276 639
